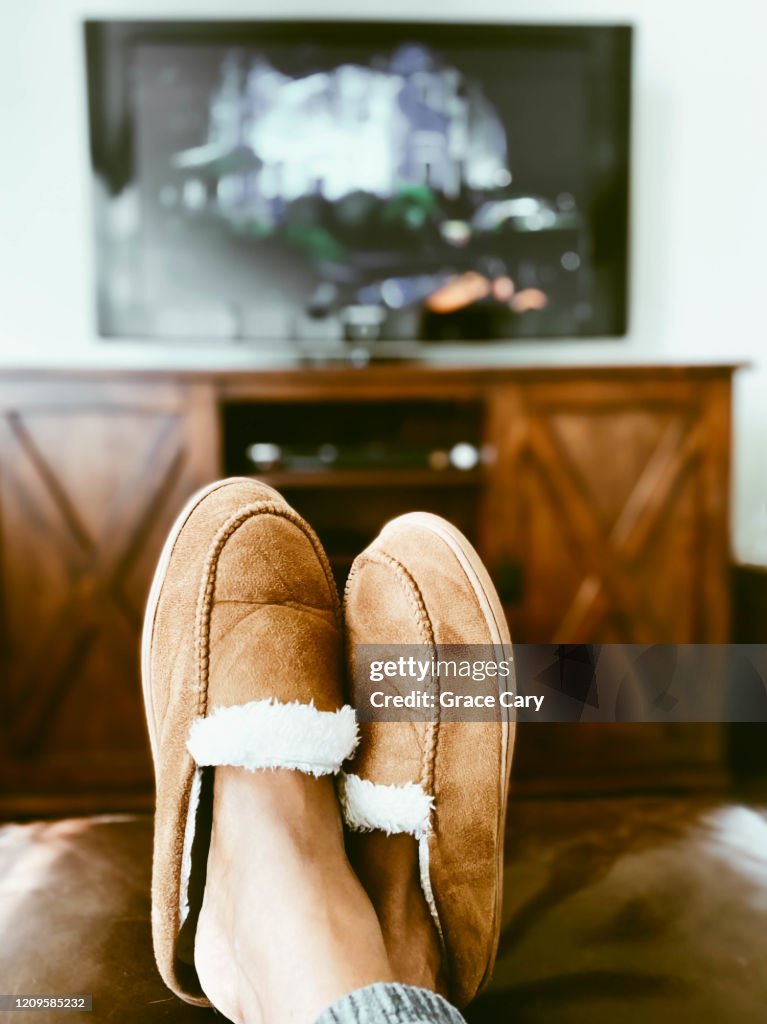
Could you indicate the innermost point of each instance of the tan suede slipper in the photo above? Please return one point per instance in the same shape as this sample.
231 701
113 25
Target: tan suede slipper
445 785
241 665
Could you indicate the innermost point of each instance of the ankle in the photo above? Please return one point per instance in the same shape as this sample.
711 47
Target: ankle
282 902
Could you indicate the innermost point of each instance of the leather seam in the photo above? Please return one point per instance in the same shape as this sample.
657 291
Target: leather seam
417 603
208 582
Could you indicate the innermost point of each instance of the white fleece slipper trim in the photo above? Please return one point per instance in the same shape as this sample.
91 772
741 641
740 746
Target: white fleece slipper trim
424 872
186 855
393 809
268 734
368 806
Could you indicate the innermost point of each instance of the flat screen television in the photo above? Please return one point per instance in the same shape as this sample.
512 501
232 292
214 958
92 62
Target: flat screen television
315 183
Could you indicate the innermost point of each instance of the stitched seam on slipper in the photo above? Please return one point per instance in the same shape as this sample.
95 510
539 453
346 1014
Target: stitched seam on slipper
417 603
208 581
429 755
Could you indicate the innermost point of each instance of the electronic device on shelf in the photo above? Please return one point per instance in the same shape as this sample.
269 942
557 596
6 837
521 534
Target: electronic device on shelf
267 457
351 464
308 186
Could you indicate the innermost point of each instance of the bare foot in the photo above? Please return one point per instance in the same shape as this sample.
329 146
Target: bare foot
285 927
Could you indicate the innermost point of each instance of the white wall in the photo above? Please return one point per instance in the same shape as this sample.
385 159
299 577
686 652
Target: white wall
699 192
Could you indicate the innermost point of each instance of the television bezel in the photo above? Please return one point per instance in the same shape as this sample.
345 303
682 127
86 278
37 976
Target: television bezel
108 44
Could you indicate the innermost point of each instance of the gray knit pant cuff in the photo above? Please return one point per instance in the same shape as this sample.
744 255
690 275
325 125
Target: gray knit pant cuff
385 1003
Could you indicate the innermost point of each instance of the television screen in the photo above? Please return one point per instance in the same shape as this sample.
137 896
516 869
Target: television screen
380 182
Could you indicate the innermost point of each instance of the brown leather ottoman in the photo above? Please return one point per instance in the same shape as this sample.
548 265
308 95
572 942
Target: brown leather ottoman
74 919
615 910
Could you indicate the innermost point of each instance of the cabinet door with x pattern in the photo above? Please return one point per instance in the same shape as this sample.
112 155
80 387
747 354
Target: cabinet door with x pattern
92 473
609 497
